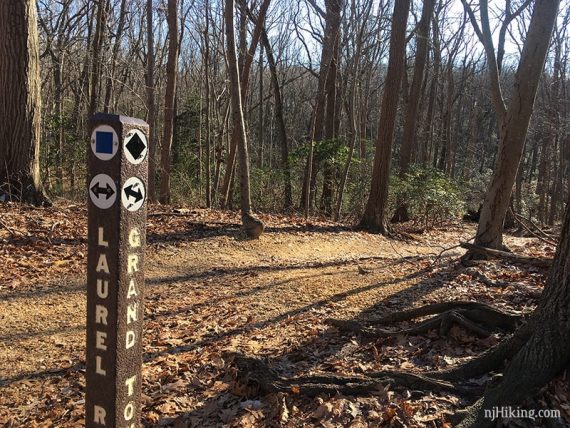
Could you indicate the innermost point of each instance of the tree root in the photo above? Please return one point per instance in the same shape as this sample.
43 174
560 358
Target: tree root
490 252
478 318
255 372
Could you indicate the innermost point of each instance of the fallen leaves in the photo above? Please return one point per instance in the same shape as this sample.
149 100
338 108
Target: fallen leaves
209 294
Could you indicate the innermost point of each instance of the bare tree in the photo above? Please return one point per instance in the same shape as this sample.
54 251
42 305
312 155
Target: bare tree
332 18
169 101
150 101
513 118
374 218
409 136
252 225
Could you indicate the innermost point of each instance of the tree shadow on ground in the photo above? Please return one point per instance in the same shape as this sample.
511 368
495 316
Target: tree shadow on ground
201 275
331 341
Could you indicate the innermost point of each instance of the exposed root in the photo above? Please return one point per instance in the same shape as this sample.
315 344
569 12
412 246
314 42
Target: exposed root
478 318
487 281
255 372
476 251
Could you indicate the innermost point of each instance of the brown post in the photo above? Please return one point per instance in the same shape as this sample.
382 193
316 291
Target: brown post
118 171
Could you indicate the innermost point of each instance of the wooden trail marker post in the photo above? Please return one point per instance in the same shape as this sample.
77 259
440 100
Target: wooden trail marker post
118 171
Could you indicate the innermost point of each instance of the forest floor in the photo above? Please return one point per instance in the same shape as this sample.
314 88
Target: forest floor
210 293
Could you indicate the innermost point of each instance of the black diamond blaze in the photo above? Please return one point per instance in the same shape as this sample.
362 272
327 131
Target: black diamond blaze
136 147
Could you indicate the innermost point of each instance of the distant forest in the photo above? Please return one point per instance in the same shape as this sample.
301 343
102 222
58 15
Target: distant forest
314 77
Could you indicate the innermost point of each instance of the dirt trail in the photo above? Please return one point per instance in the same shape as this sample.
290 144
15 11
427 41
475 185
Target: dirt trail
208 295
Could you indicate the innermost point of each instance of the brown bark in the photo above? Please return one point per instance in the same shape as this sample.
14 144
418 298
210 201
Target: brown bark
246 60
410 121
426 149
409 136
330 128
546 353
102 11
374 218
150 101
514 123
253 226
20 102
169 101
208 104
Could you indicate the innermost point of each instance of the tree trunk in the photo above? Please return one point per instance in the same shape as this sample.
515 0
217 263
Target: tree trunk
102 9
427 151
20 103
253 226
169 101
514 124
246 60
208 171
261 119
352 118
374 218
410 121
281 129
330 129
150 101
114 55
546 353
332 28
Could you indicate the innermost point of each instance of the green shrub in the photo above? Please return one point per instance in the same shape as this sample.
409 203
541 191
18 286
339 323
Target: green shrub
432 197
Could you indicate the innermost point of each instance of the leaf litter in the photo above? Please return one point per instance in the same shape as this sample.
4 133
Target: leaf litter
210 293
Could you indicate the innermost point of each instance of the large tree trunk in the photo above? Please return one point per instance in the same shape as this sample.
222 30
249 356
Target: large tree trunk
330 129
253 226
514 124
547 352
374 218
20 102
169 101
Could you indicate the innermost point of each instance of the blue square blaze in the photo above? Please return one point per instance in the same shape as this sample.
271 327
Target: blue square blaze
104 142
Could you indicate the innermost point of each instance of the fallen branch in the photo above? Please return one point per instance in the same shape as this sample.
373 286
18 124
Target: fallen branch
449 249
542 236
487 281
9 229
517 258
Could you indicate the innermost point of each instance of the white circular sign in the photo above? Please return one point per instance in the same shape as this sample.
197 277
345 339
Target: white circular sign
104 142
135 146
133 194
103 191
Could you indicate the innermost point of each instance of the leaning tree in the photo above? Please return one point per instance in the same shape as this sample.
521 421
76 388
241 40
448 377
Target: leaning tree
513 118
20 102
